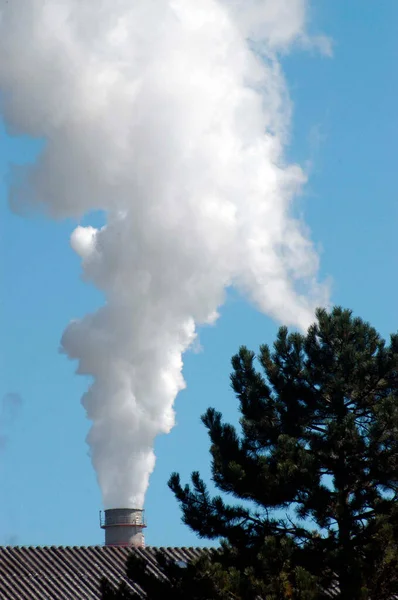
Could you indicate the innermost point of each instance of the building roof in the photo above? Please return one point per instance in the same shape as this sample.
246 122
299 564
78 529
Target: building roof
75 572
72 572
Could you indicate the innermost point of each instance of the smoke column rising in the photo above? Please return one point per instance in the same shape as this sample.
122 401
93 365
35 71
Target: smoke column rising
162 114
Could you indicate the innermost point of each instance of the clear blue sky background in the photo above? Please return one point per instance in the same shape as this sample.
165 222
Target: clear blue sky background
346 124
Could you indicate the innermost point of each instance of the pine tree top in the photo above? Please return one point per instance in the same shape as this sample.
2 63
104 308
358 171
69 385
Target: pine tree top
319 445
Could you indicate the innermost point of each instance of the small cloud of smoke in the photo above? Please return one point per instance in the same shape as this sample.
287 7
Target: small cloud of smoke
11 539
316 138
10 407
322 43
3 442
196 347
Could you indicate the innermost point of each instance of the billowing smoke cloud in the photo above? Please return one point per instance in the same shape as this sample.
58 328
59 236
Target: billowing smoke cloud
170 116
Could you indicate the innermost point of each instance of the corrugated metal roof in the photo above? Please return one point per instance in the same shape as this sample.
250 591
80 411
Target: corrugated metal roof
71 572
75 572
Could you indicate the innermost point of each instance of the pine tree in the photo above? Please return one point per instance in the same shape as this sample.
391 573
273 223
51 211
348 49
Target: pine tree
319 442
313 473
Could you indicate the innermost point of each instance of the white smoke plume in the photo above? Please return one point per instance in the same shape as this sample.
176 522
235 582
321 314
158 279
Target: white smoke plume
171 116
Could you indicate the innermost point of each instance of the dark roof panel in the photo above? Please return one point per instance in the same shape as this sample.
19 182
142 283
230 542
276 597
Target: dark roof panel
63 573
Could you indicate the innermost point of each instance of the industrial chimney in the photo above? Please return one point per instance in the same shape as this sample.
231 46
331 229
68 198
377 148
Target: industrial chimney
123 527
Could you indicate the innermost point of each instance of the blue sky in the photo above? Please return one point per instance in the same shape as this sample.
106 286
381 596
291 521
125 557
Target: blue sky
345 123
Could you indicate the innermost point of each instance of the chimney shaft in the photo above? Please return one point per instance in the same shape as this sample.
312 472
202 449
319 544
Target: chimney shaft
123 527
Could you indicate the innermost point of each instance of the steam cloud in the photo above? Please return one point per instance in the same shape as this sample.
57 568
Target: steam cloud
171 116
